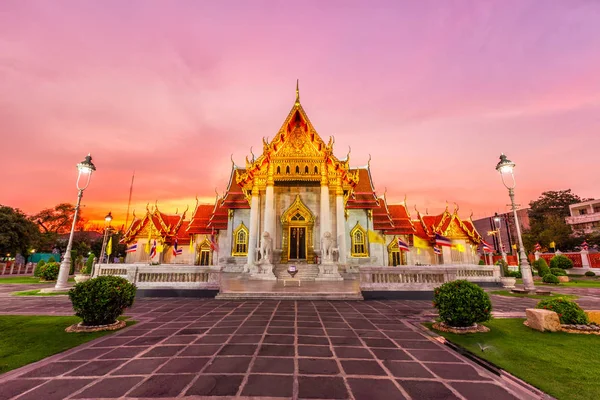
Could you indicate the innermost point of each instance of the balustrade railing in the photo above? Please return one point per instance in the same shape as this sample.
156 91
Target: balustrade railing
423 277
146 276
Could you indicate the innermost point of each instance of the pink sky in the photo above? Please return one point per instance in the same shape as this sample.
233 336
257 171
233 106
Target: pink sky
434 91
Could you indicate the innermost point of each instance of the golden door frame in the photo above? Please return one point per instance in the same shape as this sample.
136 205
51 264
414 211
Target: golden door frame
288 221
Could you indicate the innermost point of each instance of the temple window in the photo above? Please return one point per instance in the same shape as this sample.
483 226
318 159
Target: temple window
297 169
278 169
359 245
204 253
240 241
287 169
306 169
396 257
316 169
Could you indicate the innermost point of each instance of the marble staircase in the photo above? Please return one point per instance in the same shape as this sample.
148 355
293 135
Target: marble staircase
306 272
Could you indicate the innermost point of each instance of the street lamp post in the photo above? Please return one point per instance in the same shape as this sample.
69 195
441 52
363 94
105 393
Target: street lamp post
506 167
498 223
85 168
107 221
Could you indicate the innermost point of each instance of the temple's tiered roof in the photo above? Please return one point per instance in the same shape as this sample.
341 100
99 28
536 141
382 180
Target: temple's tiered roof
157 224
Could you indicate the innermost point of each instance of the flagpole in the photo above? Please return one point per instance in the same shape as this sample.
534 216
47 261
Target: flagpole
129 202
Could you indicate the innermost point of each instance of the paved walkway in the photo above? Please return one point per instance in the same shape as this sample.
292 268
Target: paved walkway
262 349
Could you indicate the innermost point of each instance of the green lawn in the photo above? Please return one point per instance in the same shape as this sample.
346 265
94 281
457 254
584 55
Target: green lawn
560 364
37 293
7 280
533 296
26 339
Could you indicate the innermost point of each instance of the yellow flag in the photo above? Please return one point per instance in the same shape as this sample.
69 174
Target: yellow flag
420 243
109 246
553 245
191 245
147 249
375 237
159 248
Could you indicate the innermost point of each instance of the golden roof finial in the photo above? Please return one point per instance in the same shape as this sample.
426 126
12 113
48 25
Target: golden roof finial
297 92
405 200
455 208
369 162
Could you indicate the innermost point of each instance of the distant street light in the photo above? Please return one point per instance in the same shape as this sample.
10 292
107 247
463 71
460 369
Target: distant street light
498 224
85 168
107 221
505 167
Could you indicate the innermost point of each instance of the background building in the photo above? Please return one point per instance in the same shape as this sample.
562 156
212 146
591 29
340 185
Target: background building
488 228
585 217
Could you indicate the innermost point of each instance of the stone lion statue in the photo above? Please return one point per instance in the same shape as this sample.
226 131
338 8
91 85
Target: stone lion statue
266 247
326 246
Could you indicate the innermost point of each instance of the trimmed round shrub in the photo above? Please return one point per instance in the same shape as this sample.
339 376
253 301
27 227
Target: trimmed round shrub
561 261
89 264
541 266
462 303
101 300
36 271
590 273
568 311
558 272
49 271
549 278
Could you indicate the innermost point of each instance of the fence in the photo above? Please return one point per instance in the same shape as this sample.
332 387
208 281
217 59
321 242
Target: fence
11 268
582 259
423 278
147 276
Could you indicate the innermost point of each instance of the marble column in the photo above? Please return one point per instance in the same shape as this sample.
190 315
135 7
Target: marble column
340 224
253 229
325 221
269 222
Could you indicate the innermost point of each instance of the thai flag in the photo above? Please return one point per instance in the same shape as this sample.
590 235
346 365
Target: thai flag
402 245
437 250
213 242
442 240
176 251
153 249
487 247
537 247
132 248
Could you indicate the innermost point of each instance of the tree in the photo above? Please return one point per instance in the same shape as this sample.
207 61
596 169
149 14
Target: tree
17 233
547 219
58 219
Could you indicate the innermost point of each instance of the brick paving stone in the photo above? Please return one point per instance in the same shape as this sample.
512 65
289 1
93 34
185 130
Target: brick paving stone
87 354
279 339
195 350
162 386
183 365
267 350
374 389
345 341
56 389
427 390
96 368
314 340
163 351
191 331
123 352
17 386
317 366
482 391
273 365
380 343
109 388
352 352
434 355
321 388
370 334
407 369
268 386
391 354
417 344
212 339
238 350
362 367
145 341
456 371
113 342
53 369
314 351
140 366
216 385
228 365
404 335
250 339
180 340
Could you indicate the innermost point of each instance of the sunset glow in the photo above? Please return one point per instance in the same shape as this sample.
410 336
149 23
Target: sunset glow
433 92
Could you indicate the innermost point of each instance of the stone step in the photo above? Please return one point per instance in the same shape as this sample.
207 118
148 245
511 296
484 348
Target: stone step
289 296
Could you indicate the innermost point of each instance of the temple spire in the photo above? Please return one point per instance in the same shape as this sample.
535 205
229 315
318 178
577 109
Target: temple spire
297 92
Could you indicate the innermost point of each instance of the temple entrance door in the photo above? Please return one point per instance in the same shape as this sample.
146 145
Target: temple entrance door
297 243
